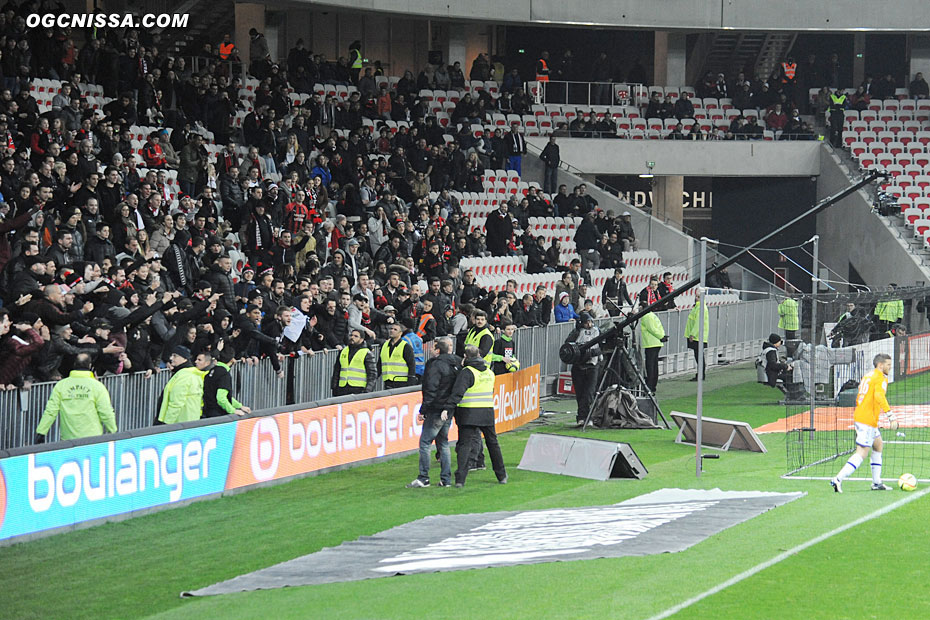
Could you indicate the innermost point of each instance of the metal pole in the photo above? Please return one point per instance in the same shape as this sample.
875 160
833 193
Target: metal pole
815 284
700 357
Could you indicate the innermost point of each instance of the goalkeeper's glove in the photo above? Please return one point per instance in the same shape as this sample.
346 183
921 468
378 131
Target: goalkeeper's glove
892 422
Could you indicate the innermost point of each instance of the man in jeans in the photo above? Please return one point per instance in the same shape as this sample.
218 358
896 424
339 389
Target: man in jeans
438 380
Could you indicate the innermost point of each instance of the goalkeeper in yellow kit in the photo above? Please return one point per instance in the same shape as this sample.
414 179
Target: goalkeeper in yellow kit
870 403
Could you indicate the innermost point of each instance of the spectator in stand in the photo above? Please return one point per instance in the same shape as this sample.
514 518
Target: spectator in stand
499 228
543 304
516 149
626 233
563 202
586 242
650 294
776 120
551 159
615 293
885 88
683 107
564 311
654 107
666 287
918 88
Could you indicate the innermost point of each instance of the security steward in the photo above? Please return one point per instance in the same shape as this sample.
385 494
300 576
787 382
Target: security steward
473 399
788 317
693 332
652 339
82 401
356 369
218 399
227 47
889 313
396 363
438 380
542 67
355 60
480 336
837 109
789 71
182 400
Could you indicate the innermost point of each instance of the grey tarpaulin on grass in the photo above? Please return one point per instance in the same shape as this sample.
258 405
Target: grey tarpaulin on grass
664 521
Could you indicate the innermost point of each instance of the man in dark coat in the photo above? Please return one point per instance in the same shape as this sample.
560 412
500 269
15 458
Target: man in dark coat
499 231
221 282
438 380
473 399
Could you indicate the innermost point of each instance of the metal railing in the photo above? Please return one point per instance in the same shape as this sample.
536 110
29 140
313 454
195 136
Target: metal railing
587 93
307 377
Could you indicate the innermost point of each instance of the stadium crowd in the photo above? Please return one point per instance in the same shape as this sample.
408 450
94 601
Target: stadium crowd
99 256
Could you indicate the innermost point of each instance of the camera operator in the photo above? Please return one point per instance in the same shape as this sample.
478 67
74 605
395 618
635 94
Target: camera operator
584 372
775 369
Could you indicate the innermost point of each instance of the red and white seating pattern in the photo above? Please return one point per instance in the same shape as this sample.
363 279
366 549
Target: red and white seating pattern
894 135
493 273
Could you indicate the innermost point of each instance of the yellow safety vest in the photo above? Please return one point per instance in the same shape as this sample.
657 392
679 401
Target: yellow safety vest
352 372
357 61
788 315
473 337
393 366
481 393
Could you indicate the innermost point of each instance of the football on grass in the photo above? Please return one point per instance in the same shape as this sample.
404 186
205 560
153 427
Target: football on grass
907 482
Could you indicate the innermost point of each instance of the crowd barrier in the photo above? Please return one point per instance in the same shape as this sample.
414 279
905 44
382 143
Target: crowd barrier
50 488
735 333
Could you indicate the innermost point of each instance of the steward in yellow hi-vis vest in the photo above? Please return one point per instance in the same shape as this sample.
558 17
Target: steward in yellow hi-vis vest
356 369
473 399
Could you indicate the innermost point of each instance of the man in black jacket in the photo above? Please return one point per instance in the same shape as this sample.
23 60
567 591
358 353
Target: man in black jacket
473 399
586 242
221 282
438 380
550 156
499 230
615 293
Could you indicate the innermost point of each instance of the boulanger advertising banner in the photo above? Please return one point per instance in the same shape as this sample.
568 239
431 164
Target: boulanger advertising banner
65 487
299 442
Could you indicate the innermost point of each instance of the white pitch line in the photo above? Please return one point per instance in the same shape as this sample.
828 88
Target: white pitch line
790 552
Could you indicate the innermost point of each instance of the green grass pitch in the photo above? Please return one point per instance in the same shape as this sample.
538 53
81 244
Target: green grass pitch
137 568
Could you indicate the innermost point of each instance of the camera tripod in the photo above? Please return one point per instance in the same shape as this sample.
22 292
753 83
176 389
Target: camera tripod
623 362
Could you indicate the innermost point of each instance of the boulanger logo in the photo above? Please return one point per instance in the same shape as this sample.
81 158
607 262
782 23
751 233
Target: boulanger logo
107 20
265 449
